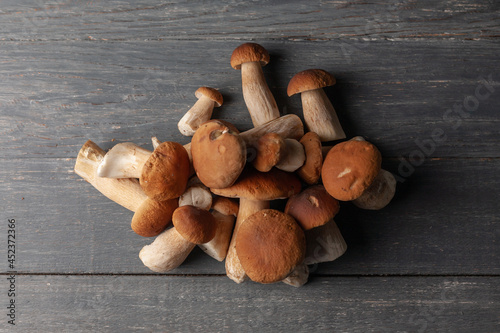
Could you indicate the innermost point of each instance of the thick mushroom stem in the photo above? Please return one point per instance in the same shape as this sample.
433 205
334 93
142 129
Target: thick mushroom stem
124 160
218 246
197 115
324 243
294 156
167 252
258 98
234 270
125 192
298 277
379 193
320 116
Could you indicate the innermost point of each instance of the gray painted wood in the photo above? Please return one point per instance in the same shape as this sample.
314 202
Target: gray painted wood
119 71
217 304
444 220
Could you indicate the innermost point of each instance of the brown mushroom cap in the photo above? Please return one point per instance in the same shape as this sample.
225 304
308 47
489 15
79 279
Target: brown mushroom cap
225 206
166 172
310 172
152 217
249 52
196 225
349 168
309 79
269 151
219 154
255 185
313 207
269 245
211 93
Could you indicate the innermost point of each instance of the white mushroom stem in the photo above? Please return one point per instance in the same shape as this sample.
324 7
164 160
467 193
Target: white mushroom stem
298 277
379 193
218 246
289 126
258 98
124 160
324 244
125 192
167 252
320 116
294 156
234 270
198 196
155 142
197 115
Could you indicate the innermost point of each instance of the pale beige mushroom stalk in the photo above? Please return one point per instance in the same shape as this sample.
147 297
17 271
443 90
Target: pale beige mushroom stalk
299 276
192 226
125 192
208 98
255 189
250 57
319 114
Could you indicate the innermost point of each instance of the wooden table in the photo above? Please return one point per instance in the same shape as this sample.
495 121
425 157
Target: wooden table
420 79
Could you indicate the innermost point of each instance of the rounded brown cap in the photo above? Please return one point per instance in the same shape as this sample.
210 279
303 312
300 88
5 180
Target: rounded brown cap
152 217
219 154
313 207
249 52
269 245
211 93
349 168
196 225
255 185
269 149
310 172
310 79
166 172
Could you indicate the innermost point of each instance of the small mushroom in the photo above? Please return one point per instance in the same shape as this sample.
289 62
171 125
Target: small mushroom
208 98
319 114
255 189
250 57
314 210
152 217
219 154
274 151
192 226
310 172
125 192
270 244
349 170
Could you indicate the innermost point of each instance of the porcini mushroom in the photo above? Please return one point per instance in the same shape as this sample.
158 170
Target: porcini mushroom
310 171
255 189
270 244
274 151
349 170
125 192
208 98
169 250
250 57
314 210
152 217
162 174
319 114
219 154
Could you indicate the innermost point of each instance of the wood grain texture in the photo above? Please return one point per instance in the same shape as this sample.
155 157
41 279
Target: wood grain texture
440 222
215 304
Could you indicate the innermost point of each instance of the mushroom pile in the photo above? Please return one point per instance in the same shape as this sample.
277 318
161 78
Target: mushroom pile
217 191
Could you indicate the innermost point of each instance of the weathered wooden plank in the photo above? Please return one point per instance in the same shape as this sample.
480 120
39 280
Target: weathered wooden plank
216 304
286 20
55 95
444 220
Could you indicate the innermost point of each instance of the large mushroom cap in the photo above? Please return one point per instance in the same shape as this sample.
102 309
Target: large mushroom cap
309 79
349 168
312 207
166 172
219 154
249 52
310 172
269 245
196 225
255 185
152 217
211 93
